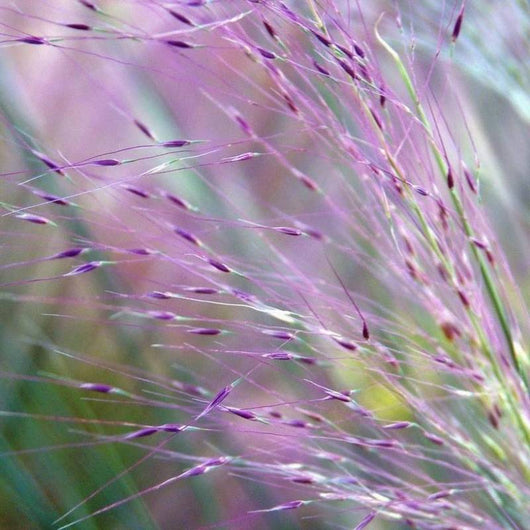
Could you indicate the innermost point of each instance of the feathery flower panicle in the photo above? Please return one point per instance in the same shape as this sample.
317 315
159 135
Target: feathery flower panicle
252 269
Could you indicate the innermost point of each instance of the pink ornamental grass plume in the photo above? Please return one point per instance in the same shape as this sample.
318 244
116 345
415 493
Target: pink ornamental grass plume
251 258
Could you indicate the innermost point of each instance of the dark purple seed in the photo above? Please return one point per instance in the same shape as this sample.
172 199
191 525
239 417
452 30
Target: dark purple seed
88 4
141 251
218 265
366 521
288 230
463 298
179 44
299 424
176 143
70 253
421 191
470 181
308 183
32 40
366 332
53 198
175 200
290 103
205 331
187 236
148 431
244 125
493 419
86 267
245 414
290 14
81 27
359 51
202 290
348 69
265 53
324 40
305 360
52 165
479 243
180 17
347 344
321 69
364 73
171 427
136 191
220 397
450 179
278 334
195 471
162 315
144 129
96 387
35 219
270 29
303 480
458 24
440 495
345 51
376 119
398 425
107 162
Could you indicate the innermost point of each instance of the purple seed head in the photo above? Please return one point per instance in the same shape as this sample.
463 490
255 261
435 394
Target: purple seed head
32 40
458 23
287 230
398 425
162 315
266 53
86 267
31 218
180 17
450 179
81 27
205 331
97 387
136 191
179 44
218 265
149 431
106 162
144 129
176 143
159 295
70 253
187 236
52 198
245 414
